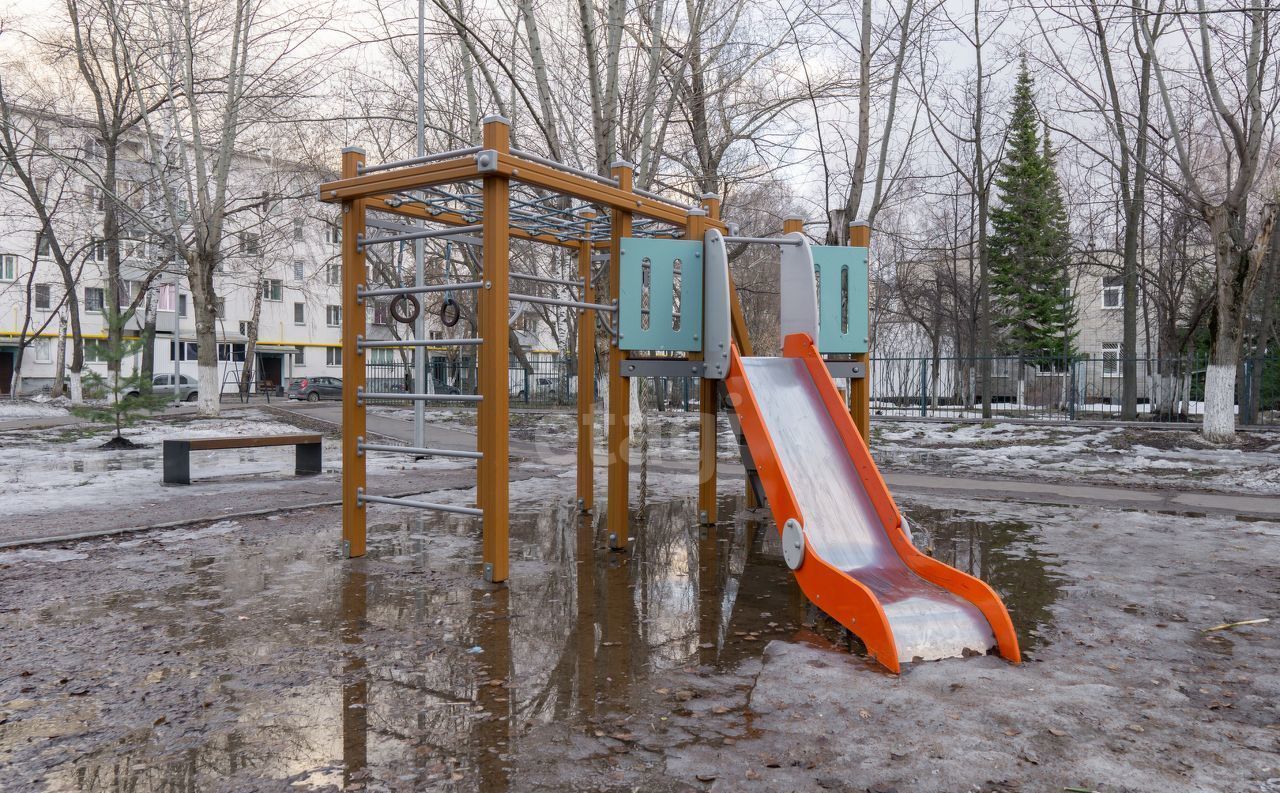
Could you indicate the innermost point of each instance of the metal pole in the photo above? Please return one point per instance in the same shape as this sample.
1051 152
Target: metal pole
177 337
419 251
924 387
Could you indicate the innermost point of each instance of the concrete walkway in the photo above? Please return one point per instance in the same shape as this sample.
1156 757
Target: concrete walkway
917 484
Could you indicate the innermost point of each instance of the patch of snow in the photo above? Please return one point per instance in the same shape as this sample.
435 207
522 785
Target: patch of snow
41 555
26 409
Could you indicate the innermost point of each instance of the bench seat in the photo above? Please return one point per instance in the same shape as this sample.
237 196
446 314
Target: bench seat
177 452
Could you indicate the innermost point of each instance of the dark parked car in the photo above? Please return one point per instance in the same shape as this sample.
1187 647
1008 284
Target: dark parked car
163 384
314 389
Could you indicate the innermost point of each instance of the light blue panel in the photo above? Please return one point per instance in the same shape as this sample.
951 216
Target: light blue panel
841 328
660 333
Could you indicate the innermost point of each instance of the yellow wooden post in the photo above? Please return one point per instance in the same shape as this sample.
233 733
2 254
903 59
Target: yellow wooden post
586 374
860 390
619 387
493 422
353 413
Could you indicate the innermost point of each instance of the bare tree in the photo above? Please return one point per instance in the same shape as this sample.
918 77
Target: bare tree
1231 77
960 124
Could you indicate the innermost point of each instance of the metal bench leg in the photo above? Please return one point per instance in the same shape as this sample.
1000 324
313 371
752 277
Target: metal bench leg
309 459
177 463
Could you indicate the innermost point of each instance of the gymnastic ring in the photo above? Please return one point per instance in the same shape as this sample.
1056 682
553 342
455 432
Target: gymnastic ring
407 317
449 319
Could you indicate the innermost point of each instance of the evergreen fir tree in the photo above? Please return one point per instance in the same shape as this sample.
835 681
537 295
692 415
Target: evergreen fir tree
1029 244
126 396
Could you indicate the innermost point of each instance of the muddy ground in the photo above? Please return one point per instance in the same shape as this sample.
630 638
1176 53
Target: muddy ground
246 655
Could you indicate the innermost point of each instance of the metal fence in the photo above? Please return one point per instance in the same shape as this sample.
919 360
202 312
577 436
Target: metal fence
945 387
1091 388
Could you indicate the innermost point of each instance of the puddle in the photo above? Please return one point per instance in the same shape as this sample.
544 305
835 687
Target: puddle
1002 553
270 663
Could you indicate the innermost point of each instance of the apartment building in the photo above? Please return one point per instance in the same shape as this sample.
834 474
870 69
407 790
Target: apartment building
281 260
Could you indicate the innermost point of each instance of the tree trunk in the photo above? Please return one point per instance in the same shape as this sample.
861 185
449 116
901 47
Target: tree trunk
251 346
60 357
204 306
149 339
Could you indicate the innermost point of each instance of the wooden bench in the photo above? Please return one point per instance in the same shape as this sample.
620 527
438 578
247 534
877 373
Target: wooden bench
177 453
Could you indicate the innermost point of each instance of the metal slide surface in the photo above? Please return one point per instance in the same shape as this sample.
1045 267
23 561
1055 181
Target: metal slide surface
854 560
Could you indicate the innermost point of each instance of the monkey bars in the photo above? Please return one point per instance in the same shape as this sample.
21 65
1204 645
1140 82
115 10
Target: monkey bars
500 193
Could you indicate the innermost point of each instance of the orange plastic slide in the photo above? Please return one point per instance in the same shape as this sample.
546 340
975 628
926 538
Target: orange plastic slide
842 533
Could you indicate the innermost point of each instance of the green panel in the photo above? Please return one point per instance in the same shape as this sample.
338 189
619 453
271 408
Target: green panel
842 310
656 329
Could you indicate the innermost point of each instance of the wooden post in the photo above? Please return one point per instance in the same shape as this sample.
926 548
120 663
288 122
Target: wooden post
619 387
353 414
860 390
493 423
586 374
708 399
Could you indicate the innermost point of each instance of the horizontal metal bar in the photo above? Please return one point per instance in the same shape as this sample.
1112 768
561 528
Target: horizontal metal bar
764 240
407 502
460 286
444 155
660 367
853 370
370 344
425 234
555 301
559 166
657 197
409 396
542 279
386 225
419 450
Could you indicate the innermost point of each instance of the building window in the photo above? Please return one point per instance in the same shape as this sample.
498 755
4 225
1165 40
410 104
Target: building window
95 198
300 356
379 313
44 246
187 351
1113 291
166 298
249 244
43 297
382 356
333 316
94 299
298 225
333 356
8 267
435 335
273 290
333 235
42 350
97 250
244 328
299 313
1110 359
95 351
182 305
231 352
220 307
333 273
298 273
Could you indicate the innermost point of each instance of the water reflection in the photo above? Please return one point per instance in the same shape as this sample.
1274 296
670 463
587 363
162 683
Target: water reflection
273 662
